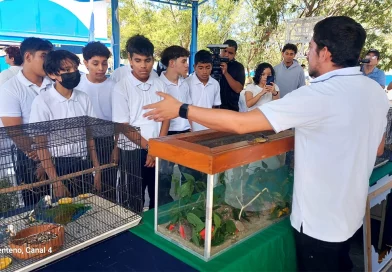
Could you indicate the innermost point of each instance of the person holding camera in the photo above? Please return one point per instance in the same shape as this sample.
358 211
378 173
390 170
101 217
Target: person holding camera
263 89
233 79
370 70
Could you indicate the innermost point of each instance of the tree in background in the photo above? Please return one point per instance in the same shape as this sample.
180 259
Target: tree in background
257 25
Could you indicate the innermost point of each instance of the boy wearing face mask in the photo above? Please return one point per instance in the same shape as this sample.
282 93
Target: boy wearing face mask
59 102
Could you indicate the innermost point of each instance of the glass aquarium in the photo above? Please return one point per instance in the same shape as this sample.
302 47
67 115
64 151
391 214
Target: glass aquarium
214 190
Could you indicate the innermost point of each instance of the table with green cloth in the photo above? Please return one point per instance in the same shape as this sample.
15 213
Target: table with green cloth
273 249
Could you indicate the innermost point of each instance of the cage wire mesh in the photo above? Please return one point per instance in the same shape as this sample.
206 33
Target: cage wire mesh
65 182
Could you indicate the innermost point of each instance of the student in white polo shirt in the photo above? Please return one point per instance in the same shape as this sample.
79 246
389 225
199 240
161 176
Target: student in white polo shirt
16 97
124 71
130 95
59 102
205 91
99 88
339 122
175 59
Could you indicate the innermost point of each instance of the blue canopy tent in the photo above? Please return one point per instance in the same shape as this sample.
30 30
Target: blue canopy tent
183 4
68 26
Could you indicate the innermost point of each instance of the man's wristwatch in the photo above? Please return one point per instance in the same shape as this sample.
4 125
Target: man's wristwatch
183 113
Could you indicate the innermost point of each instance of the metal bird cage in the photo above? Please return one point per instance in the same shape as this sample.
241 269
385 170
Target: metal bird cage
64 185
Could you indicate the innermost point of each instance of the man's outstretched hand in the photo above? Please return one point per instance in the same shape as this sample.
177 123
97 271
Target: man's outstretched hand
166 109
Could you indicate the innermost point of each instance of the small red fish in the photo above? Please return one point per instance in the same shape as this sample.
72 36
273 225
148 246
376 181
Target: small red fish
182 232
203 233
171 227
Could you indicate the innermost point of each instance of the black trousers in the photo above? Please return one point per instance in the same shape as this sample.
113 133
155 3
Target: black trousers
316 255
105 147
129 186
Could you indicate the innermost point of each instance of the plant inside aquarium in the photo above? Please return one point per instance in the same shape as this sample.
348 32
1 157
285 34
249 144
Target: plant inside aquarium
247 193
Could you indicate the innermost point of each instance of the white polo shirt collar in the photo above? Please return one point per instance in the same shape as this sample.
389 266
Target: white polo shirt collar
21 77
196 80
61 99
350 71
168 82
143 86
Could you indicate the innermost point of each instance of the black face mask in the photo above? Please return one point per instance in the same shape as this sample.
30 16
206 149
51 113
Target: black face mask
70 80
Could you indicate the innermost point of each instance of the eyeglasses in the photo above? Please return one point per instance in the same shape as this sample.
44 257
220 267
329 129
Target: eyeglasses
371 57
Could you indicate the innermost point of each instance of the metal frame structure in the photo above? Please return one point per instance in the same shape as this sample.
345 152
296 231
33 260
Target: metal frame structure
183 4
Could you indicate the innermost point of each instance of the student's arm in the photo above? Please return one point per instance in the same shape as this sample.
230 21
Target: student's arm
39 113
164 128
94 157
237 86
380 149
389 86
59 189
252 100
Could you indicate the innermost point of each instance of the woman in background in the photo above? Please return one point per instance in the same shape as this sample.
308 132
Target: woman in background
14 59
258 92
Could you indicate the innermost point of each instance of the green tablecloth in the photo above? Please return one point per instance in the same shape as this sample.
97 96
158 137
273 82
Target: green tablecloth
271 250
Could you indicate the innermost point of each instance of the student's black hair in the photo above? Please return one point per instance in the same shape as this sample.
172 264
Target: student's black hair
203 56
259 71
343 37
14 52
93 49
232 43
140 45
290 46
33 45
172 53
55 60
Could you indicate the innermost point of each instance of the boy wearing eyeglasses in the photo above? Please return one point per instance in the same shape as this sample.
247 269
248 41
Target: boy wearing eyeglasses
130 94
370 70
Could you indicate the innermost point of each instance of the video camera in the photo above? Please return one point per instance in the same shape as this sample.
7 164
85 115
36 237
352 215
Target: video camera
216 72
361 62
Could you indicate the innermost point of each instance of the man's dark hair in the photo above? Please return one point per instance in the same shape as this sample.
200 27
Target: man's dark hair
343 37
375 52
93 49
290 46
259 71
172 53
203 56
232 43
55 61
14 52
140 45
33 45
303 65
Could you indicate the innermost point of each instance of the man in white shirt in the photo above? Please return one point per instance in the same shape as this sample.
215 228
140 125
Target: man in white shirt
99 89
175 59
339 122
204 90
14 59
16 97
130 94
59 102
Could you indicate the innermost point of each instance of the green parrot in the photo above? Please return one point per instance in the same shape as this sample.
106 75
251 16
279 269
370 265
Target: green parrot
60 214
